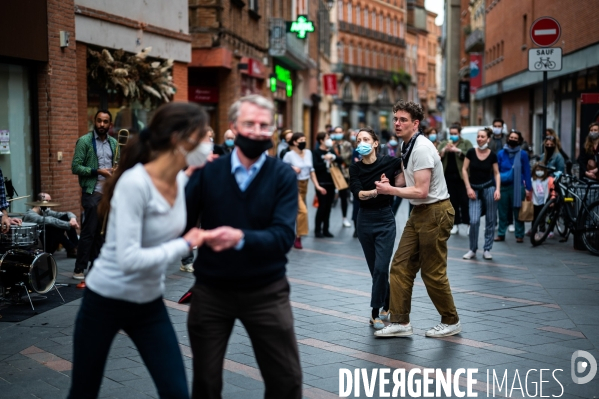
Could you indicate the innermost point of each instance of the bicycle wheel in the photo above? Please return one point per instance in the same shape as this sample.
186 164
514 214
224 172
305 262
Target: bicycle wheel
560 225
590 226
547 219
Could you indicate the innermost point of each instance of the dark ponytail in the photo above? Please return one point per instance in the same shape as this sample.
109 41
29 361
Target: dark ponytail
172 120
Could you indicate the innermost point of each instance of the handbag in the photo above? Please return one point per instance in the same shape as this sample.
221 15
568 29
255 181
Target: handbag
526 213
338 179
315 201
507 177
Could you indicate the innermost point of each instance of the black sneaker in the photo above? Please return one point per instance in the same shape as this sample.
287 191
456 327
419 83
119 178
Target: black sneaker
328 235
318 234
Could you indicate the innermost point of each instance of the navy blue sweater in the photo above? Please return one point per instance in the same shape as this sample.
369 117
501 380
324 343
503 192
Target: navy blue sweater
265 212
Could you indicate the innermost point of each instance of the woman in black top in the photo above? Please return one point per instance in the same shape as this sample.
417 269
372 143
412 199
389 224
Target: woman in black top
482 180
321 161
376 222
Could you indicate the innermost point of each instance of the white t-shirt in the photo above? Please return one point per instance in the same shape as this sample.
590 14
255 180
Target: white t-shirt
425 156
305 163
143 238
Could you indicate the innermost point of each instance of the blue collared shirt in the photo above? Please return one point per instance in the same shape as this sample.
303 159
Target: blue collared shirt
244 177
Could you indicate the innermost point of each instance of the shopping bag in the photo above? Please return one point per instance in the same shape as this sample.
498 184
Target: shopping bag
338 179
315 201
526 212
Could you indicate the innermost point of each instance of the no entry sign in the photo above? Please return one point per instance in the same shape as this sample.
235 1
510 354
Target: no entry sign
545 32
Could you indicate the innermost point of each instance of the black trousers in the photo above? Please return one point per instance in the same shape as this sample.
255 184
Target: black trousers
91 240
266 315
54 236
343 198
459 200
325 202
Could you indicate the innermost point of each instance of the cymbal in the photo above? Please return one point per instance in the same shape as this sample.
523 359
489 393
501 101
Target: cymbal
43 203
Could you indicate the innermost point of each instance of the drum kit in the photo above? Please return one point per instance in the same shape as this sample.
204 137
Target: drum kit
24 267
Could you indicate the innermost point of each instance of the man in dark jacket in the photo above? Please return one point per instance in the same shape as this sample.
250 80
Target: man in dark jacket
247 202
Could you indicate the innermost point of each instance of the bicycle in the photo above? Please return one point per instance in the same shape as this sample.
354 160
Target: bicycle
562 207
544 62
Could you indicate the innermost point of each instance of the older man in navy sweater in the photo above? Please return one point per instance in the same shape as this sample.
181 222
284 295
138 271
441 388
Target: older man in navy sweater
248 203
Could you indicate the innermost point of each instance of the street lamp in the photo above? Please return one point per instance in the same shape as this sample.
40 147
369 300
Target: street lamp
328 4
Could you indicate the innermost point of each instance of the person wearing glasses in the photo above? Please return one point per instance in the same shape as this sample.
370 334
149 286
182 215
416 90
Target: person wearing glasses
247 202
552 157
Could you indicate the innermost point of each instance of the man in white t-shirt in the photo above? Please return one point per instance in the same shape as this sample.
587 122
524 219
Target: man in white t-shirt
423 244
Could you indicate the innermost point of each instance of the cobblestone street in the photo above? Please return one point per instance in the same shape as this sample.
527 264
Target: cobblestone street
528 308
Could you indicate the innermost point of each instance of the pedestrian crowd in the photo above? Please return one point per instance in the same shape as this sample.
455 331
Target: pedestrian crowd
230 213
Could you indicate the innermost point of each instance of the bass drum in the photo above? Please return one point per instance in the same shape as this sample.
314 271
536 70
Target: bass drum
36 269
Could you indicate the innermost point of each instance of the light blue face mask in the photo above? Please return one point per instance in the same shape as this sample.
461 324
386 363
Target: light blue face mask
432 137
364 149
353 138
392 143
337 136
454 138
229 142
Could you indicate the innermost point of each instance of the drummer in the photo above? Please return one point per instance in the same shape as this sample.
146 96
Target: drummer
6 220
60 227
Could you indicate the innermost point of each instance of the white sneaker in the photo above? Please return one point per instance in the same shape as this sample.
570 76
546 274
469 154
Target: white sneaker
394 330
511 228
444 330
346 223
469 255
487 255
454 229
187 268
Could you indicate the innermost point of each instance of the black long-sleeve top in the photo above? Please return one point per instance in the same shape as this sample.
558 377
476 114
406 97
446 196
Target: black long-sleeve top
320 166
362 177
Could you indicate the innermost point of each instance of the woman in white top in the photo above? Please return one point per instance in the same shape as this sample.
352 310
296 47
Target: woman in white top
146 200
300 160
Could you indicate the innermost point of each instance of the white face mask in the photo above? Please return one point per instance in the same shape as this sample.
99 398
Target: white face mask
539 173
199 155
497 131
483 147
328 143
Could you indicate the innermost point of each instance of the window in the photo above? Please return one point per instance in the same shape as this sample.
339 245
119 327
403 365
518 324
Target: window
381 23
357 15
395 32
350 59
340 10
253 5
373 20
359 61
388 25
349 13
401 29
365 18
340 52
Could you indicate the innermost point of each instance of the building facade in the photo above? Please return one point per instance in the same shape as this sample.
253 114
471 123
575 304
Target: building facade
514 93
370 45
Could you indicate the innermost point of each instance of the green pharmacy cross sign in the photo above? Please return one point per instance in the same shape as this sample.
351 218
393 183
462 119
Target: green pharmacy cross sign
301 26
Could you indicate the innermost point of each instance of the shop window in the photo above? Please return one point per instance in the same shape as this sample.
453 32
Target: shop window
16 143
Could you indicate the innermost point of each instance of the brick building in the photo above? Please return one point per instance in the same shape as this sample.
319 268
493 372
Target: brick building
371 43
46 101
515 94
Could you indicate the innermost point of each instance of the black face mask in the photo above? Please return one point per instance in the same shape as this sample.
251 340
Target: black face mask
550 150
252 148
512 143
301 146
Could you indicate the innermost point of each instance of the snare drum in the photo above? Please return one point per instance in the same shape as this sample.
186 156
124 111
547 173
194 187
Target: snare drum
25 235
36 269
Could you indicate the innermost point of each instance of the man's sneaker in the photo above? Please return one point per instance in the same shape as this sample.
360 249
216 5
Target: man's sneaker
78 274
188 267
384 315
346 223
551 235
395 330
469 255
511 228
377 323
444 330
487 255
455 229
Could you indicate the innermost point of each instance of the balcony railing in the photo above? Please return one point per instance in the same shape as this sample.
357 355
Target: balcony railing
475 41
372 34
363 72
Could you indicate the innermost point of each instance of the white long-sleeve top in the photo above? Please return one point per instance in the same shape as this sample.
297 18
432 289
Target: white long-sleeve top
143 238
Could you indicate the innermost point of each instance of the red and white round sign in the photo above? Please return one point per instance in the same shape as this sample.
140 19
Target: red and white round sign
545 32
